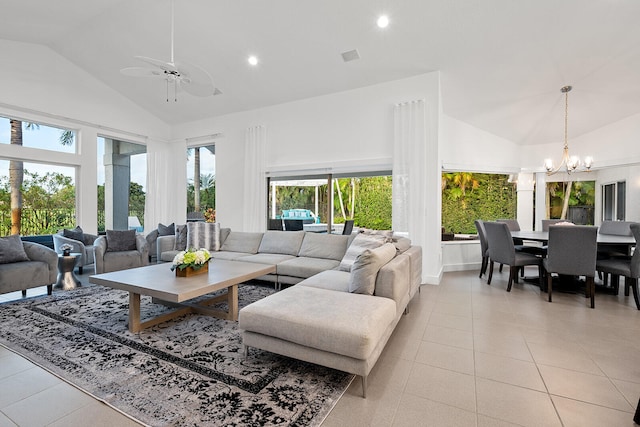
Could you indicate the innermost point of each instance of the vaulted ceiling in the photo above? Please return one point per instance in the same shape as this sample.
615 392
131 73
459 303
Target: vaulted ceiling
502 62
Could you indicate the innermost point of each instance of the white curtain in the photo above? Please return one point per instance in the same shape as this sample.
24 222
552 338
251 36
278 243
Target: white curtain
166 200
255 190
409 170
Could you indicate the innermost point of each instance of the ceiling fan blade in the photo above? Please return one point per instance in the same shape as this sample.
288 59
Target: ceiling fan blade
195 80
163 65
141 72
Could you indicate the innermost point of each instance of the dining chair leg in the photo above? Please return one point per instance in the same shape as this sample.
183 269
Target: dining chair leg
483 266
626 286
549 285
591 284
490 272
633 283
513 274
500 268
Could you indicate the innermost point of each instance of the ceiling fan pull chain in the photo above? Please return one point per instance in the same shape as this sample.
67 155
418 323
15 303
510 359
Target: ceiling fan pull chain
175 90
167 90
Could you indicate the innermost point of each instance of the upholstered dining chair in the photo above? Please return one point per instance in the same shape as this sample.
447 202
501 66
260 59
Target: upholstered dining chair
628 268
348 227
572 251
547 222
484 246
502 250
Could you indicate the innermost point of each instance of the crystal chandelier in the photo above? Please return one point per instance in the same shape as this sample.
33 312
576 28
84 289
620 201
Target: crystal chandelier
570 163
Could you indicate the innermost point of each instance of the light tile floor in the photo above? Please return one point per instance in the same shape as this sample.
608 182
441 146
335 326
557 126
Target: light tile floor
467 354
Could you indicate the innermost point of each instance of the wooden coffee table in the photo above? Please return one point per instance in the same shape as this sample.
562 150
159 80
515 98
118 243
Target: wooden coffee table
159 282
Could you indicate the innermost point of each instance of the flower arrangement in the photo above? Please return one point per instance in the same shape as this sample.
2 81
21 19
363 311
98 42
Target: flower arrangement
196 259
66 249
210 215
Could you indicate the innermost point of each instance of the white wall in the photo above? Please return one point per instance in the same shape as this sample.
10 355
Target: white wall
351 130
39 85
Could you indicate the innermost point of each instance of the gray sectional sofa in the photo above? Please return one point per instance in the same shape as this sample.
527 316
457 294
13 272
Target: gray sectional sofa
322 319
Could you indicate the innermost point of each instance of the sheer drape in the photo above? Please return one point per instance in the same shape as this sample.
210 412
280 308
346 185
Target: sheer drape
409 166
255 196
166 200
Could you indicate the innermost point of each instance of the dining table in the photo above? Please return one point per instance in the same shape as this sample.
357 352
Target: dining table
626 243
603 239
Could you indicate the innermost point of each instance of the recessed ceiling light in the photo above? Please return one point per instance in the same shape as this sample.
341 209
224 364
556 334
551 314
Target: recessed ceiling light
253 60
383 21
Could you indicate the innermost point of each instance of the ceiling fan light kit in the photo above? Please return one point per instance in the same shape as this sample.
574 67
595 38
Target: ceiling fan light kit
179 75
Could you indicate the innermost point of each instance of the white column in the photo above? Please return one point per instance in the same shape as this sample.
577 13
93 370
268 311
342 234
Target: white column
525 201
541 206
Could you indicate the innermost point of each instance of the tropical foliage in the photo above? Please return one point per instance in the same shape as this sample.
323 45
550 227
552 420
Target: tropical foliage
582 195
469 196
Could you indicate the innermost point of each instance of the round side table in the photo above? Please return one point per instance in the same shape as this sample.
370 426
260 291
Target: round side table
66 277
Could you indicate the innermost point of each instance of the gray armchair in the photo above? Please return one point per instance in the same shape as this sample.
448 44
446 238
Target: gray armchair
572 251
83 247
41 269
113 260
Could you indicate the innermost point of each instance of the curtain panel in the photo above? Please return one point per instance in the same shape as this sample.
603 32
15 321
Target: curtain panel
255 190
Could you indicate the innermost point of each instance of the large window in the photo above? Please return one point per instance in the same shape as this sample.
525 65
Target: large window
35 197
467 196
571 200
48 199
614 201
122 177
331 200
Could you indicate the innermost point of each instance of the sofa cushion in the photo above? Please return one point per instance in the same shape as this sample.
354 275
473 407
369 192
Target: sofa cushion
121 240
166 230
181 238
277 242
365 269
12 250
203 235
229 255
324 245
242 241
266 258
337 322
334 280
75 234
359 244
305 266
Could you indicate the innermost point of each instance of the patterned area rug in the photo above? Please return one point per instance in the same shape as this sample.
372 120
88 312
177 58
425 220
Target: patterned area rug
185 372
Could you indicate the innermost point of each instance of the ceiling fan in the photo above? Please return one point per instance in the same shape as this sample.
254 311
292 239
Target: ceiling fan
191 78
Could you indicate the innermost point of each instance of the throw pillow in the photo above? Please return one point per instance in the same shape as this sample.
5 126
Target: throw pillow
203 235
181 238
121 240
75 234
166 230
12 250
364 272
360 243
